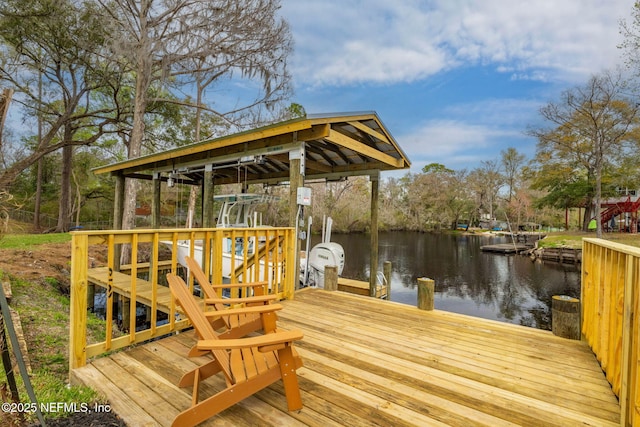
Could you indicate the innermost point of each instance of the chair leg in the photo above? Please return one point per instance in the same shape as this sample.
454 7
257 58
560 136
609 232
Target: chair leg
196 388
290 378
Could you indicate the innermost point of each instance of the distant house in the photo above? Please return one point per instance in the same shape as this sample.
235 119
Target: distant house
621 213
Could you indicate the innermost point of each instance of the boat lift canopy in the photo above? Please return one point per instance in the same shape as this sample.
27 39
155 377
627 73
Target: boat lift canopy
333 146
315 147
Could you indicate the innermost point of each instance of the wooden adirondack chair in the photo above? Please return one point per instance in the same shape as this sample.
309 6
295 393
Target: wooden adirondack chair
241 323
248 364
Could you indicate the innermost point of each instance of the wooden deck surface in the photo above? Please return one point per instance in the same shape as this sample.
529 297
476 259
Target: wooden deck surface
373 362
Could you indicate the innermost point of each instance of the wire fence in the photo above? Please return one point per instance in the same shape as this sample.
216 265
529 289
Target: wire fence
48 222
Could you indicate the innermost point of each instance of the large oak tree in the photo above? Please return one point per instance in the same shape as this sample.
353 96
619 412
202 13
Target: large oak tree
587 134
173 42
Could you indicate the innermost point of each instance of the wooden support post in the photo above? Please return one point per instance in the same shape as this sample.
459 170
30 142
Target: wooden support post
118 203
565 317
330 277
155 203
386 270
426 288
91 297
296 179
118 216
125 312
373 271
207 220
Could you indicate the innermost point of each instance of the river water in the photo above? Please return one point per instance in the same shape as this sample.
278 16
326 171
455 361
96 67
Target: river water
507 288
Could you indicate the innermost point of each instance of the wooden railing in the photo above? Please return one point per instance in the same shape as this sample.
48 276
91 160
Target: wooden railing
261 254
610 309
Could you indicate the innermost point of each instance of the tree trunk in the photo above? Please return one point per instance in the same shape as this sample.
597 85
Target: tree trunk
78 200
5 100
38 201
193 193
143 79
598 168
191 209
588 213
65 189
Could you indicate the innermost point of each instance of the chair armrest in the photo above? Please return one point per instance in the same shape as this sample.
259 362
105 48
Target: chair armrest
280 337
245 300
239 285
259 309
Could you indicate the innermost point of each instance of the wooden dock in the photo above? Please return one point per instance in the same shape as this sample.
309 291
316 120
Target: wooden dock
374 362
360 287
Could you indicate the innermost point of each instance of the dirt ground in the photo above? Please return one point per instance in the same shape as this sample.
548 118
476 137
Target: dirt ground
40 266
50 260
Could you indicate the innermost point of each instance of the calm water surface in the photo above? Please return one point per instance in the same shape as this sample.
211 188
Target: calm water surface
508 288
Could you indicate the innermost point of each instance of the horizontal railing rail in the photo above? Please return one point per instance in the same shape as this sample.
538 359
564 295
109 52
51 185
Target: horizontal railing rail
228 255
610 308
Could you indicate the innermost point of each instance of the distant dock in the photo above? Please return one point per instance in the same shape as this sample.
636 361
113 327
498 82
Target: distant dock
505 248
521 242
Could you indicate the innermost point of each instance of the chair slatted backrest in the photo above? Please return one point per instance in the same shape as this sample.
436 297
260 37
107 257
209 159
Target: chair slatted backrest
194 312
205 285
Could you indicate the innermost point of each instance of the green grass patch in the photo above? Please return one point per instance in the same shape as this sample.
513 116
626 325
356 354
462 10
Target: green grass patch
50 389
44 315
574 240
26 241
562 241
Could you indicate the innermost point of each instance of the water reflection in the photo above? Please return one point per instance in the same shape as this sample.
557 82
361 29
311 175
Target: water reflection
507 288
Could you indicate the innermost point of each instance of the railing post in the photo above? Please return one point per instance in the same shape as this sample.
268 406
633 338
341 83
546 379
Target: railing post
290 279
78 306
627 404
215 248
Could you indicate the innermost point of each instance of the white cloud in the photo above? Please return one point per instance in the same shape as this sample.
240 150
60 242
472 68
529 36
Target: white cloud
452 143
471 132
502 113
341 43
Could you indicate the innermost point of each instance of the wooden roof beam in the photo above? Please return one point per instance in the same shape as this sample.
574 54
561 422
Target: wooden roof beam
310 163
233 146
350 143
367 129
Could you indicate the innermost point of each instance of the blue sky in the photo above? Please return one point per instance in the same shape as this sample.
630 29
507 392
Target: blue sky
455 81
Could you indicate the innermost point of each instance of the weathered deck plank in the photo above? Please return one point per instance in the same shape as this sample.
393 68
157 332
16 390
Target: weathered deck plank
369 362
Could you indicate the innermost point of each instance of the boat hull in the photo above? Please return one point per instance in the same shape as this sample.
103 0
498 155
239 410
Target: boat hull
266 271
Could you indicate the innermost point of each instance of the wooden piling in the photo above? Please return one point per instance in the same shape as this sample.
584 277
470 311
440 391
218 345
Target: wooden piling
426 288
125 312
91 297
386 271
565 317
330 277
